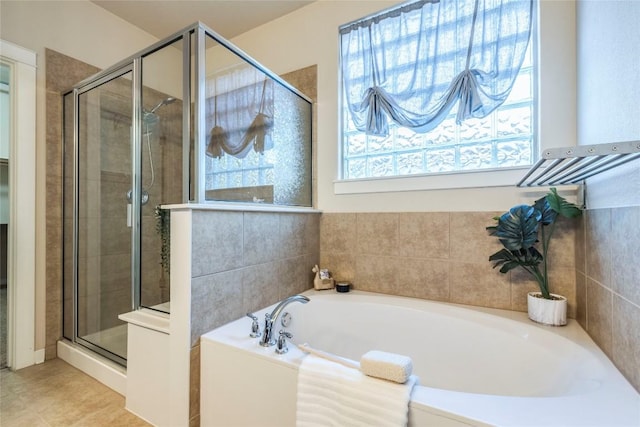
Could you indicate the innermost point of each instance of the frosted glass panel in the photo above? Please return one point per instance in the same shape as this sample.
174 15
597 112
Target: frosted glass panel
258 134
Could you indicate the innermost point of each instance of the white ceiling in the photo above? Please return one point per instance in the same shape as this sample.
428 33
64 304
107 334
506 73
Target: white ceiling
228 18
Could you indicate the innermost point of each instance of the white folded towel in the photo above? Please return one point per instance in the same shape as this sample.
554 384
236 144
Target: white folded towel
331 394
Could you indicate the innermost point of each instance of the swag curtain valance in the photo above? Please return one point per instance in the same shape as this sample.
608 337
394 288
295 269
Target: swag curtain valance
239 109
413 64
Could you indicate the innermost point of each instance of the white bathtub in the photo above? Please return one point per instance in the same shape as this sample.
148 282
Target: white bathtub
476 366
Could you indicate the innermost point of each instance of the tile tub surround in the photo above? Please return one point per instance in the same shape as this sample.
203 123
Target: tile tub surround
608 285
243 261
444 256
441 256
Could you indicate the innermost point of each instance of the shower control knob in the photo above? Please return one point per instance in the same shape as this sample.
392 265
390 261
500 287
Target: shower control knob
255 326
285 320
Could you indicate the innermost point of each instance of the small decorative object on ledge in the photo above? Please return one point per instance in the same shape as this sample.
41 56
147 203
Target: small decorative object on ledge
518 232
323 279
342 286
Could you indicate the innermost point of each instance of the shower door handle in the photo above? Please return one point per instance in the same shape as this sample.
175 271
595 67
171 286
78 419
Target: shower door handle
129 215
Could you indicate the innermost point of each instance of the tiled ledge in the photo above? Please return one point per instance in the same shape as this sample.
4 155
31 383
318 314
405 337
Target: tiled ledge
242 207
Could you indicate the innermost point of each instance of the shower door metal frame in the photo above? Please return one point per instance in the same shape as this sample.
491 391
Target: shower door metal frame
131 64
194 39
134 68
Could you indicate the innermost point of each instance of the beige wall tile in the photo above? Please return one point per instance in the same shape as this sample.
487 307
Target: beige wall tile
599 301
338 233
53 323
54 134
261 238
194 382
478 284
224 296
377 274
63 71
377 233
54 276
580 244
626 339
292 229
423 235
420 278
216 299
312 234
341 265
294 276
625 252
598 245
470 241
115 237
260 285
562 246
217 242
581 299
521 284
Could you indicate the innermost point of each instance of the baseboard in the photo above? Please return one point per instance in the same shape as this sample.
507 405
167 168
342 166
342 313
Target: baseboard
108 373
38 356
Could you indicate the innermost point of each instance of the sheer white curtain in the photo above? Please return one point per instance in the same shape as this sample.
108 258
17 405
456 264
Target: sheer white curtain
239 113
413 64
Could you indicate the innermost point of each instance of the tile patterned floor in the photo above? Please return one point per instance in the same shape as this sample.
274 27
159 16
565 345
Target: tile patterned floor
56 394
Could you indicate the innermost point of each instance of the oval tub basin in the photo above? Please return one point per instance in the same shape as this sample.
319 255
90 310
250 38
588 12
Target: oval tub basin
476 366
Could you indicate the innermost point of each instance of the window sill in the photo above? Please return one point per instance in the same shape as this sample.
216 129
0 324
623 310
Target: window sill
471 179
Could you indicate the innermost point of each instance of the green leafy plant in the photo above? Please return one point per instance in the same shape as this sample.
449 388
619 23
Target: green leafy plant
522 228
163 228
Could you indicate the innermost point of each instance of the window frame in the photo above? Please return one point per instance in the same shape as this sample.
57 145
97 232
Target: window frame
477 178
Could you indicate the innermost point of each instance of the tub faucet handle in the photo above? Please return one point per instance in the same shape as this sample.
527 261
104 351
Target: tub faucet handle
281 345
255 327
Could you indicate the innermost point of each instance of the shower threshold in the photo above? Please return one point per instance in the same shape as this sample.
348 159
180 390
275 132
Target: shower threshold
102 369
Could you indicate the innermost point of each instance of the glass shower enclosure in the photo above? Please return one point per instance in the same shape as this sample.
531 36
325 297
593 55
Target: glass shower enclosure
190 119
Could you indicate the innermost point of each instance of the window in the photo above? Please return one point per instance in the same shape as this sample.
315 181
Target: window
500 134
237 97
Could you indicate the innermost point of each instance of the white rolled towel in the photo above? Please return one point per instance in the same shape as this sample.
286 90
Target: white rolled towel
387 366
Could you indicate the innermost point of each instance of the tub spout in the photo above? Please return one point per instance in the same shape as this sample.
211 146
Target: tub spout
270 318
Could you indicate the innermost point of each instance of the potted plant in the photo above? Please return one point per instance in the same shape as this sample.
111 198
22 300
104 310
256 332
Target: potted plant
521 231
163 228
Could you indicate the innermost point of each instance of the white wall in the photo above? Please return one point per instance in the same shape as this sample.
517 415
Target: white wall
608 92
310 36
83 31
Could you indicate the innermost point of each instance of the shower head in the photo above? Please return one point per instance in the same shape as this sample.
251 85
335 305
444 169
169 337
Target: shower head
166 101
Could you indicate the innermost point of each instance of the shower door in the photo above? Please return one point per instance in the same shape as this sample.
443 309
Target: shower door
105 214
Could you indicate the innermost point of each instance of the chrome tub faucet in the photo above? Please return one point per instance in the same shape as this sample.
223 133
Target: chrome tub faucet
267 339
